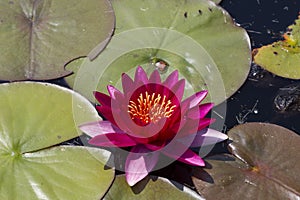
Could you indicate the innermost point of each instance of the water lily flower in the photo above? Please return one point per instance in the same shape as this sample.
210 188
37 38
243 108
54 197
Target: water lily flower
151 118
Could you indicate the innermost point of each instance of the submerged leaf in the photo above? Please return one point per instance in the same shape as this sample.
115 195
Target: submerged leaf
196 37
283 57
266 165
155 188
37 38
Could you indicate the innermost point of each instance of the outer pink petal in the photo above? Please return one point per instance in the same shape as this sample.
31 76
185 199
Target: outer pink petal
103 99
140 75
114 92
100 127
189 157
201 111
112 140
178 89
205 108
171 79
183 154
155 77
139 163
196 98
107 113
204 122
127 84
203 137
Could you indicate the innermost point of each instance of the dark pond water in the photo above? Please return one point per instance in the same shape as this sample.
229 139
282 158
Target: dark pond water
264 97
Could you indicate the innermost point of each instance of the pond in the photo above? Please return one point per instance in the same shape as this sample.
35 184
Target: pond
265 22
39 144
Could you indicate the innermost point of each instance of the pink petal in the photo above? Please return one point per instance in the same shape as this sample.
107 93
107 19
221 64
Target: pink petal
100 127
201 111
112 140
140 75
155 77
205 108
192 126
154 147
107 113
203 137
191 158
127 83
189 126
103 99
194 113
178 89
196 98
204 122
114 92
171 79
183 154
139 163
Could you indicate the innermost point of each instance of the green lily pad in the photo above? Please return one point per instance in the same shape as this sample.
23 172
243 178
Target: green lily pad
195 37
35 116
283 57
37 38
39 115
266 165
62 172
155 188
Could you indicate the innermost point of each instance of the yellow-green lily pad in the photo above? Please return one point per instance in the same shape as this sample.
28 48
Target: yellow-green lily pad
35 116
283 57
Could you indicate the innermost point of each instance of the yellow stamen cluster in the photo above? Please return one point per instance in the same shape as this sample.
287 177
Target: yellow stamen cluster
151 108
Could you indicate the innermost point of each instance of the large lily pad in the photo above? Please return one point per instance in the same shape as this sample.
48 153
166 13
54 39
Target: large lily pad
35 116
62 172
155 188
283 57
266 165
38 115
196 37
37 38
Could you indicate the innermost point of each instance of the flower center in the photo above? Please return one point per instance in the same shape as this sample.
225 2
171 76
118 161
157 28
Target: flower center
150 108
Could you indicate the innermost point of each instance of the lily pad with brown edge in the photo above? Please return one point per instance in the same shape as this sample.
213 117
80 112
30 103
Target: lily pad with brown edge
265 165
37 38
195 37
149 188
282 58
34 117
